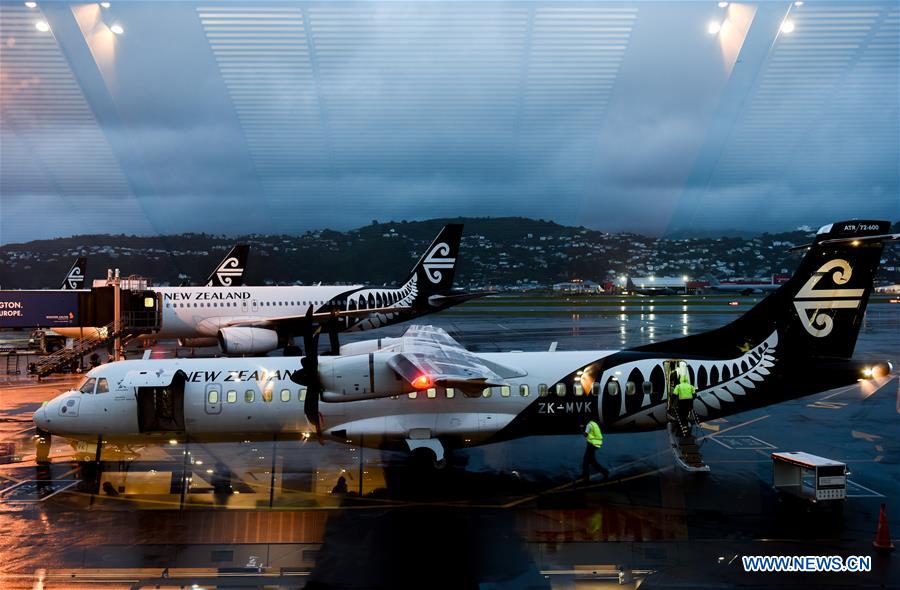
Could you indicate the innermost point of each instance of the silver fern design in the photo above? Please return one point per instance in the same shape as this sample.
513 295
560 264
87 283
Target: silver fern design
75 278
757 361
722 382
375 298
230 267
438 258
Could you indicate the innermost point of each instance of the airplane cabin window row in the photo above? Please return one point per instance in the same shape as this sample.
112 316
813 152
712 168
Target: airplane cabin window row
231 396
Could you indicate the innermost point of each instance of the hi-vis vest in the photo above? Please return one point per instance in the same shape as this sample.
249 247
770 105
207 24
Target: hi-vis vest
685 390
594 436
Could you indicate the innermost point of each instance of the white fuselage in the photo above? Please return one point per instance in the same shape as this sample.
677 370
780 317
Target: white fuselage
255 398
193 312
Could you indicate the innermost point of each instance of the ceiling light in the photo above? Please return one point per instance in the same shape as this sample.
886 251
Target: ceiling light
787 26
117 29
42 26
714 27
31 4
104 4
723 4
798 3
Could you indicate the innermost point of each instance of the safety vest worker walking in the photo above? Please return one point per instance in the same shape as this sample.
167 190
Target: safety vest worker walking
685 392
593 441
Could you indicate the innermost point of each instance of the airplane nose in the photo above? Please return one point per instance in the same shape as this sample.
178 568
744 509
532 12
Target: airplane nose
40 418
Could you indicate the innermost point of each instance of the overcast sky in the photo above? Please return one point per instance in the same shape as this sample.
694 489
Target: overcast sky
581 113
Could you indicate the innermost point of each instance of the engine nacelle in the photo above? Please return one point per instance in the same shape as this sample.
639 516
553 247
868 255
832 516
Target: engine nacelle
238 340
349 378
198 342
367 346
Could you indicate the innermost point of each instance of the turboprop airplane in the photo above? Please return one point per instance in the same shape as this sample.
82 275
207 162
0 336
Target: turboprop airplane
425 393
258 320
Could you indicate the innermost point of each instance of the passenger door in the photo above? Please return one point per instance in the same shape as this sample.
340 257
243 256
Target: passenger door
213 398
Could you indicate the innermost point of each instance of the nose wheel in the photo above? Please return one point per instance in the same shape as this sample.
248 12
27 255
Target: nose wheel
42 443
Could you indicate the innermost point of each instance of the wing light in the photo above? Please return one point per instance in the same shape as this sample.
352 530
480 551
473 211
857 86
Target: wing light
423 381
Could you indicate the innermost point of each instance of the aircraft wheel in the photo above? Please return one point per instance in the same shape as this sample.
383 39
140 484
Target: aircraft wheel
42 446
423 458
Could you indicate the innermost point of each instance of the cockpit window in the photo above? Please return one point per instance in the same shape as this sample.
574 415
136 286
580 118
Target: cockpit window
88 386
102 386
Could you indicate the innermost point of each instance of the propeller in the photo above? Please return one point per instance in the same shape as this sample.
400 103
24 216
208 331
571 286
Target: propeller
308 375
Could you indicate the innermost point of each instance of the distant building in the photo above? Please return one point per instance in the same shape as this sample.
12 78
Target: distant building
578 286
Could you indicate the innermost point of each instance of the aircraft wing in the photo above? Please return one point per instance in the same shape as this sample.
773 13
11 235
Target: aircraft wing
429 356
320 317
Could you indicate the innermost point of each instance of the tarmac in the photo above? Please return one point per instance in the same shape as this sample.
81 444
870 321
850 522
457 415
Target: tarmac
500 516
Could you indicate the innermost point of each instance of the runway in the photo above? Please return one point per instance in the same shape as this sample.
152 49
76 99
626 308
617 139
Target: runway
499 516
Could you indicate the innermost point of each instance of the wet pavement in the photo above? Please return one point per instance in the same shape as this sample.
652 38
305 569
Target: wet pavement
499 516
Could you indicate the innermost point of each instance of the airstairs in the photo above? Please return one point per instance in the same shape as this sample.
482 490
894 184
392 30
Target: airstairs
685 445
132 325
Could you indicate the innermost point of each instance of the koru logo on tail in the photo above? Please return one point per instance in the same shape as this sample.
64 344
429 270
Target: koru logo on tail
75 279
438 258
819 301
228 269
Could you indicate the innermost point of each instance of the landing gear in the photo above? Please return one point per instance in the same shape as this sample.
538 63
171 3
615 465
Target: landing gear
427 452
42 443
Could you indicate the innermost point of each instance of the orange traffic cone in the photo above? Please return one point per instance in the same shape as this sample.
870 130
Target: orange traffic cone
883 536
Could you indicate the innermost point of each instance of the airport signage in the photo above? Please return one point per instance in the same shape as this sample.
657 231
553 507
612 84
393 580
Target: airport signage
33 309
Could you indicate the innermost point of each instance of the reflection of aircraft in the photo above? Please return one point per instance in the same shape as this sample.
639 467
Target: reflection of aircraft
257 320
423 391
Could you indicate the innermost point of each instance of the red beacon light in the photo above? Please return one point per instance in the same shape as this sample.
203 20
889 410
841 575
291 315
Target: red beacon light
423 381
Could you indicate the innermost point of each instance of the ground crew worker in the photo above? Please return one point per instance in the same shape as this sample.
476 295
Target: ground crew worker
593 441
685 392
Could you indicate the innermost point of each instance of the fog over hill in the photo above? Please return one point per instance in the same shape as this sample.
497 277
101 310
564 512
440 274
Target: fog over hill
500 252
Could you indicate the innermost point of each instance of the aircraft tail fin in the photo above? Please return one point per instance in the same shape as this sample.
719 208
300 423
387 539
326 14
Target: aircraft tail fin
76 276
230 272
819 311
436 268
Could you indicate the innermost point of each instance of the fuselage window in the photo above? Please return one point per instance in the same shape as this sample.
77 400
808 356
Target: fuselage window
231 396
630 388
579 390
213 396
450 392
267 393
542 390
648 388
301 394
504 391
102 386
413 395
595 390
88 386
249 396
432 393
486 392
612 388
285 395
560 389
523 390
